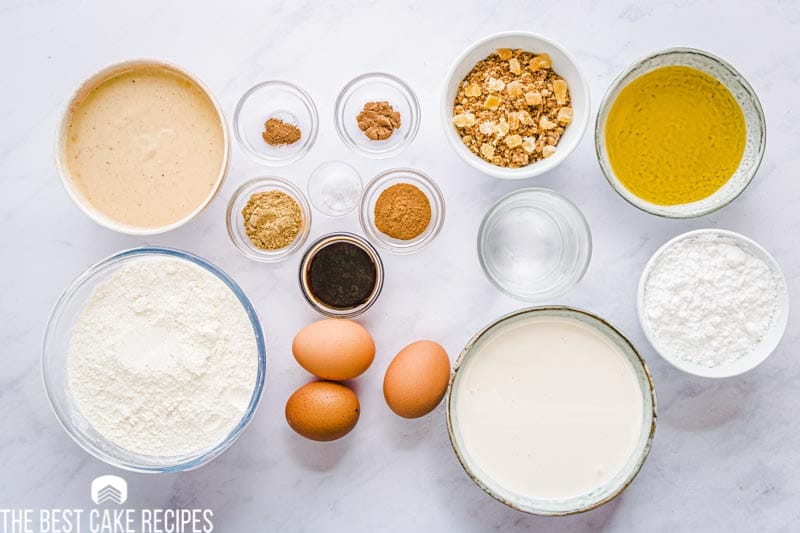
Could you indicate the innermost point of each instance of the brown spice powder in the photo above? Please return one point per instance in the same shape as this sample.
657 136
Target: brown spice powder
272 219
402 212
378 120
279 133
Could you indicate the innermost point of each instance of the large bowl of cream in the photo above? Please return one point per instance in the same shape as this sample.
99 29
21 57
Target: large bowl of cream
142 147
551 410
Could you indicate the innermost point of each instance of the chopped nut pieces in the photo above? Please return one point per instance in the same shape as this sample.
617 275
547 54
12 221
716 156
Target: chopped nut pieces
378 120
512 109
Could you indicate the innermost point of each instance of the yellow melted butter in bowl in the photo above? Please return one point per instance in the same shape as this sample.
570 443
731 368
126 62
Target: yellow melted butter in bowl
144 146
675 135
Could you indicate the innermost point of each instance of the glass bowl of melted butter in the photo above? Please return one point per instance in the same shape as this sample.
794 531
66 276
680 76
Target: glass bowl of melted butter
680 134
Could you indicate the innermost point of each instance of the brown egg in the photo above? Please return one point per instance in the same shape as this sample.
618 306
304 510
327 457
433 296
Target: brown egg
416 379
323 410
334 348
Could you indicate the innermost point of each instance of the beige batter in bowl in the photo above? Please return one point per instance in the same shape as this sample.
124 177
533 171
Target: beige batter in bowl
170 159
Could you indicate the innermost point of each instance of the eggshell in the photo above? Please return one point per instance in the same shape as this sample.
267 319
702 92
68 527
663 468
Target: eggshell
416 379
323 410
335 349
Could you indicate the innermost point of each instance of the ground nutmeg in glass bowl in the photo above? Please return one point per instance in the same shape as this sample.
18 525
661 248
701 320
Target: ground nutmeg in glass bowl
512 108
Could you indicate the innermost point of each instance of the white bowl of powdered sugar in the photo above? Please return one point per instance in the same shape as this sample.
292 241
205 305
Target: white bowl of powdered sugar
154 360
713 303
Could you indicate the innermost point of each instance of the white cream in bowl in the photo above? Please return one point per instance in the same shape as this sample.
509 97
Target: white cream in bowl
551 411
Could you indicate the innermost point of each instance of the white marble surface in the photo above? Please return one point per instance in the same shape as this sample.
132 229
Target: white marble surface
725 456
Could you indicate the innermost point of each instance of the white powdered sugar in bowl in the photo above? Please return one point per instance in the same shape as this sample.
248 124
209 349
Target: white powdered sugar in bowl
163 360
713 303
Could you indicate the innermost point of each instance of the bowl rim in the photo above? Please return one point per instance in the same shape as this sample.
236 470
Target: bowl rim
533 169
244 246
718 372
303 150
62 170
653 411
649 207
322 242
545 295
372 232
258 333
416 116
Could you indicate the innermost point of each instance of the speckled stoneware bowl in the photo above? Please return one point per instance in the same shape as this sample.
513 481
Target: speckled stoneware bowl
756 129
599 496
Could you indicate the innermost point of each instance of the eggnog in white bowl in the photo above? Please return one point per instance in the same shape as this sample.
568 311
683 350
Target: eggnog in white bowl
551 410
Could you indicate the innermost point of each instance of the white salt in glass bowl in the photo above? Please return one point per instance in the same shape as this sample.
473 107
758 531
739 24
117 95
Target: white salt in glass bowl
563 64
56 381
762 350
743 93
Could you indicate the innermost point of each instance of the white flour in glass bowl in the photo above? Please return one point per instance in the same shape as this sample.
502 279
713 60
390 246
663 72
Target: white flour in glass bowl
162 360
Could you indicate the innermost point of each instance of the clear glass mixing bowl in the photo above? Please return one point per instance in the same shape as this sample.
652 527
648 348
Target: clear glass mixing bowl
54 367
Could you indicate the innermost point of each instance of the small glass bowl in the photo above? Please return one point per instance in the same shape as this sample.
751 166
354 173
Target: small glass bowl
334 188
305 264
756 130
376 87
534 244
385 180
54 366
235 222
281 100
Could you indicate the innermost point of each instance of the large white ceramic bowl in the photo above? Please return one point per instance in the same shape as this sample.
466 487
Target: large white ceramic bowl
63 170
762 350
553 507
563 64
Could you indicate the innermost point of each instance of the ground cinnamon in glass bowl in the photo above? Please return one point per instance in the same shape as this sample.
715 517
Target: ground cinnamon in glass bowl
402 210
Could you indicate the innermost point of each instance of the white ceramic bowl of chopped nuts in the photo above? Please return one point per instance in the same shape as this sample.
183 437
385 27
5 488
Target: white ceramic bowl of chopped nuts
515 105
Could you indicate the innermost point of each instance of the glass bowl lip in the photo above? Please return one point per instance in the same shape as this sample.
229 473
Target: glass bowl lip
541 295
356 173
143 251
721 371
652 413
243 245
531 170
438 211
320 243
304 97
62 170
666 211
415 115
